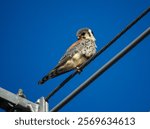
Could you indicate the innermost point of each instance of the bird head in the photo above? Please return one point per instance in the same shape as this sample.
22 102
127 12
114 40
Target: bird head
85 33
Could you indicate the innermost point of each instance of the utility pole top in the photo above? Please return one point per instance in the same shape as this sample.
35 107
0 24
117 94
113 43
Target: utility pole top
18 103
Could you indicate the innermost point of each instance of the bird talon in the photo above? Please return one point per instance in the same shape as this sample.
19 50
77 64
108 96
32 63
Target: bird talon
78 70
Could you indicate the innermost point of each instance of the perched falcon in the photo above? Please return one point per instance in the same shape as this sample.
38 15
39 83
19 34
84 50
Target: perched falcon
78 53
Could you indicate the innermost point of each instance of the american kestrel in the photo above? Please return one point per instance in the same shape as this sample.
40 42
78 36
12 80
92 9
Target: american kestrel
77 54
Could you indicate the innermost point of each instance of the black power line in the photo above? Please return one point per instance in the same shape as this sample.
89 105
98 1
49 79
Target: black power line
98 53
101 70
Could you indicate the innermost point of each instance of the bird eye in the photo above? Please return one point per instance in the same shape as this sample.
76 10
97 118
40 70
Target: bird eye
83 33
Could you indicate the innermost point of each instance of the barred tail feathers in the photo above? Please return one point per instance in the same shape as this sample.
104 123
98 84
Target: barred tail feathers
50 75
54 73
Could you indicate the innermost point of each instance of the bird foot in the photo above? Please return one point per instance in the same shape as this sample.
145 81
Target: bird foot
78 70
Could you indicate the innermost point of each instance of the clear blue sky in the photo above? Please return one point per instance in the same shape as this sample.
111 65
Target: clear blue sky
34 34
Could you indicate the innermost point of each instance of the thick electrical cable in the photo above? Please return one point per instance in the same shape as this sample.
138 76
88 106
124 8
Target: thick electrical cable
98 53
99 72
